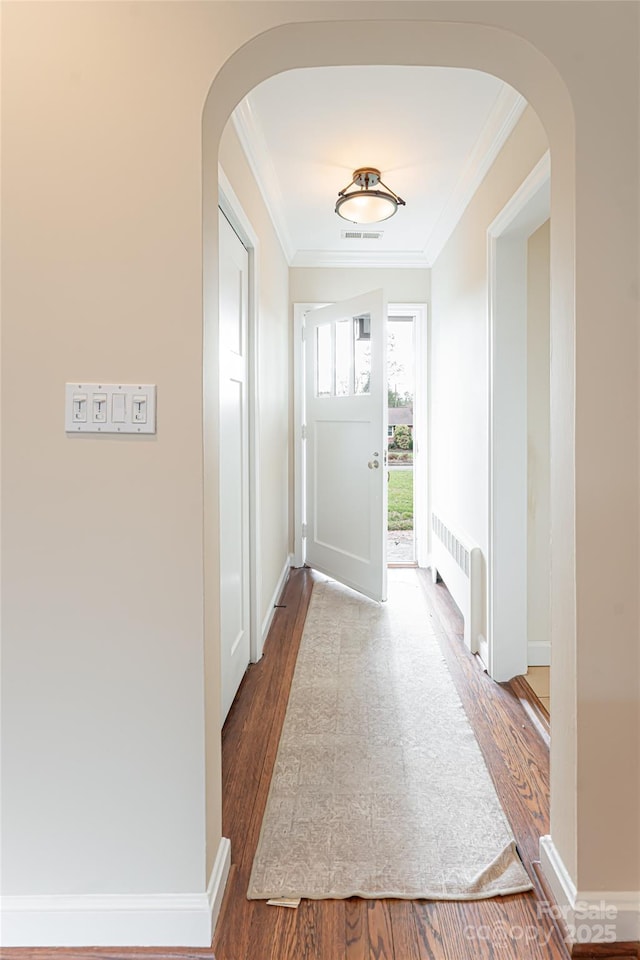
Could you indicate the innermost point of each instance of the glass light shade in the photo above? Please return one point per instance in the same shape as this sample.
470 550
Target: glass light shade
366 206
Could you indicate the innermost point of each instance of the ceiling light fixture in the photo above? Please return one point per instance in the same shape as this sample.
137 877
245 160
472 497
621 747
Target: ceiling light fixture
366 204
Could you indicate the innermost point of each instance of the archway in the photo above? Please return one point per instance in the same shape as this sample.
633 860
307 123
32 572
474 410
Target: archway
518 63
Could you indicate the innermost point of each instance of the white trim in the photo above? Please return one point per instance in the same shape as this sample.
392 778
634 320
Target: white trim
298 437
299 312
539 653
421 461
282 579
483 652
525 193
562 886
234 212
505 113
130 920
218 881
252 140
506 587
589 911
411 259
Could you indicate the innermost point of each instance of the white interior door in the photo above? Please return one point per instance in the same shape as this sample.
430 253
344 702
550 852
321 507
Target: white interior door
346 428
234 463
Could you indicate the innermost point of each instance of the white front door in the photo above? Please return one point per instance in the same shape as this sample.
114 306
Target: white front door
234 463
346 442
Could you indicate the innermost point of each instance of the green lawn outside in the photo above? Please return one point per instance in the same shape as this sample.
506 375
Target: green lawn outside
400 500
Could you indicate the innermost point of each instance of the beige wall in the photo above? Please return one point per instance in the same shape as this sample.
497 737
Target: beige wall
106 603
323 284
102 757
459 374
538 428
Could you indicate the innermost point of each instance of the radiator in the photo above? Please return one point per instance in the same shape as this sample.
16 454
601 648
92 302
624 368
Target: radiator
459 563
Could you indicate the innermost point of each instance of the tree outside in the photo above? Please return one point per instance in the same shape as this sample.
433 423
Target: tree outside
403 438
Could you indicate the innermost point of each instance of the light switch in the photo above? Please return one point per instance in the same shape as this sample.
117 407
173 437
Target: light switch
112 408
80 408
99 408
139 409
119 408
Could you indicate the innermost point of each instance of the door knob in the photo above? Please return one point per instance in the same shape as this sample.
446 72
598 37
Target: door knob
373 464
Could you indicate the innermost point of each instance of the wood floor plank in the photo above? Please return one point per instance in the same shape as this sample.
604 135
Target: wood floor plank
615 951
306 939
250 745
426 915
234 922
105 953
271 934
318 931
331 921
356 929
379 930
505 927
403 925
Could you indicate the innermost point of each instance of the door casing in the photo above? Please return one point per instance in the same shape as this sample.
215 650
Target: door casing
421 430
505 652
234 212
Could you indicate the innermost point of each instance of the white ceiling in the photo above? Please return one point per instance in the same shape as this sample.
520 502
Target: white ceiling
433 132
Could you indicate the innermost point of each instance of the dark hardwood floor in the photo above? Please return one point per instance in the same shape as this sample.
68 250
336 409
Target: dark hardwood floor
355 929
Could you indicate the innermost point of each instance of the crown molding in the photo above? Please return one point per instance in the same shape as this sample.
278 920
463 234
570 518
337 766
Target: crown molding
504 115
356 258
252 141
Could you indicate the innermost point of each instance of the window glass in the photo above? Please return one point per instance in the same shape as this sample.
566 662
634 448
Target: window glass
343 358
362 354
323 361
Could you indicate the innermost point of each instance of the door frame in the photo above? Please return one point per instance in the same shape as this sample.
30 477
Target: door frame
235 214
505 653
421 504
300 311
421 426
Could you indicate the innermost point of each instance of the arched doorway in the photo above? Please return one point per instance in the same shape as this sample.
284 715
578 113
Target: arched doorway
430 44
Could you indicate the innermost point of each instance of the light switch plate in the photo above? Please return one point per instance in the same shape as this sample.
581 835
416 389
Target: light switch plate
110 408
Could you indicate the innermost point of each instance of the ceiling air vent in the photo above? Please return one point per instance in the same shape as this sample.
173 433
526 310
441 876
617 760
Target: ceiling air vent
361 234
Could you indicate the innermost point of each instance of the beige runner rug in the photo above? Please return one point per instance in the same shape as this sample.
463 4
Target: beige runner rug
379 787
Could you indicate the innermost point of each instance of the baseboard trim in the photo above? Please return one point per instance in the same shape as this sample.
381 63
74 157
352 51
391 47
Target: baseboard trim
218 882
282 579
130 920
539 653
594 919
533 707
